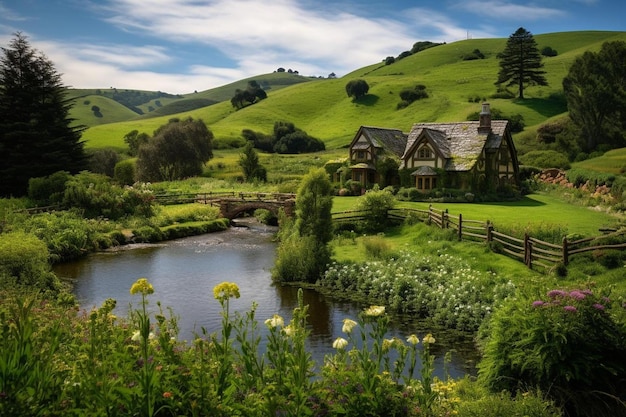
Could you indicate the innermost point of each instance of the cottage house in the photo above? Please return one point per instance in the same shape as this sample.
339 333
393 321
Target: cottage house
474 156
370 148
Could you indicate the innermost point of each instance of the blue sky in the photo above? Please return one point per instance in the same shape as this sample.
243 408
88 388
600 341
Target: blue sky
179 46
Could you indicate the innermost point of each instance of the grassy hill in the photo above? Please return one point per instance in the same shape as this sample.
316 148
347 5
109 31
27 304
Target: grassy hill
322 108
126 105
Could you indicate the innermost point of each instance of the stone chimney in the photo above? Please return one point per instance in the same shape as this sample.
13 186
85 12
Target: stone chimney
484 120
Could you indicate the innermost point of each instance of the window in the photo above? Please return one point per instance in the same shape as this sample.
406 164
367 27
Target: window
426 183
360 155
425 153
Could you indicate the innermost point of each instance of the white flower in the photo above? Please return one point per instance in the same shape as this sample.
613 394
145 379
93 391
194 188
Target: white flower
340 343
275 321
413 339
375 311
348 325
136 336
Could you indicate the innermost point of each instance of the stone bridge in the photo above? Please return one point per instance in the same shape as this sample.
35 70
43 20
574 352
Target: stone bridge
233 207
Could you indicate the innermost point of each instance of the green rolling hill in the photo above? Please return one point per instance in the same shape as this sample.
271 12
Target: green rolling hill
322 108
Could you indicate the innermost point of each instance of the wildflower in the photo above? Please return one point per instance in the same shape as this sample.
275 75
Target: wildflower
289 330
428 339
598 306
142 286
374 311
413 339
340 343
388 344
167 394
275 321
538 303
556 293
577 295
571 309
348 325
136 336
226 290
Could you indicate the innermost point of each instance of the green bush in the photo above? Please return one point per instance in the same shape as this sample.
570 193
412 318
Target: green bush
147 234
545 159
44 191
567 344
377 202
124 171
376 247
24 263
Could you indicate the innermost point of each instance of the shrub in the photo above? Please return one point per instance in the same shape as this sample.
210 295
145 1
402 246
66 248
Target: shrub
545 159
24 263
124 172
376 247
566 344
377 202
48 190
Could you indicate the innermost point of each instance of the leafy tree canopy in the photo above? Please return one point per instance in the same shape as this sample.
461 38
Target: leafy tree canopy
249 163
253 93
178 150
286 139
595 89
36 136
357 88
520 62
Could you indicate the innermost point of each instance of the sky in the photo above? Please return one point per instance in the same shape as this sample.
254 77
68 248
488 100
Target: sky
181 46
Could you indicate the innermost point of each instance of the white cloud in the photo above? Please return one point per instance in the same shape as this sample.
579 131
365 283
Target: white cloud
504 10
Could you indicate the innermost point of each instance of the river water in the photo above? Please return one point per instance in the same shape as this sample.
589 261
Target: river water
184 272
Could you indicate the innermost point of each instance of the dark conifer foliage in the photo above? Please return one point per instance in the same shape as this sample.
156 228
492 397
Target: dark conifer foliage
36 136
520 62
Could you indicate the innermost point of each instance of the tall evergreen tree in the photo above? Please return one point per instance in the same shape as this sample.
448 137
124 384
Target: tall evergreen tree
249 163
520 62
595 88
36 135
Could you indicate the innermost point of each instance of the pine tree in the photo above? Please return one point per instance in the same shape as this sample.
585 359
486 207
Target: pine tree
36 136
520 62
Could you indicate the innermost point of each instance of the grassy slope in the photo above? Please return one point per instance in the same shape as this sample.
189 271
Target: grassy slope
111 111
612 162
322 108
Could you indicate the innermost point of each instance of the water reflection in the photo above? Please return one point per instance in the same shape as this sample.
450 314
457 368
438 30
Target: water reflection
184 272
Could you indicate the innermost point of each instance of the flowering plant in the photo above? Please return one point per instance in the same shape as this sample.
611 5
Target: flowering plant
568 343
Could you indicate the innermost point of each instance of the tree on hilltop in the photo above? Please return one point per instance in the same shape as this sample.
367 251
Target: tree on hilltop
36 136
520 62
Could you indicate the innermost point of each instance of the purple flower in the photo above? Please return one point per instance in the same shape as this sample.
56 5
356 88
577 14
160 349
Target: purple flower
538 303
556 293
571 309
606 300
577 295
587 292
598 306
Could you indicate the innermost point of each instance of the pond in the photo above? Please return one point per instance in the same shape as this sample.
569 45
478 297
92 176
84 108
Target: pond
184 272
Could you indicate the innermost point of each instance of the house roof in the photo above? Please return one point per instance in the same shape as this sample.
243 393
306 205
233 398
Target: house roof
424 171
392 140
460 143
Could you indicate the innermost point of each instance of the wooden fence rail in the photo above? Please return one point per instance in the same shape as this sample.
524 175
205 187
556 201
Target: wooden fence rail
530 250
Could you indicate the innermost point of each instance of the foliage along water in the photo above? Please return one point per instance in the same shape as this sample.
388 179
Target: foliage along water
184 272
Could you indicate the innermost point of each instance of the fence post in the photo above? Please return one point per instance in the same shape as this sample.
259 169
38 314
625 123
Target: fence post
528 251
489 227
460 227
430 210
565 249
445 221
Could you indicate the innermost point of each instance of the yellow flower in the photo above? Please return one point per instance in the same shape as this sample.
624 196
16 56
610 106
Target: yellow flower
225 290
142 286
374 311
348 325
340 343
275 321
428 339
136 336
388 344
413 339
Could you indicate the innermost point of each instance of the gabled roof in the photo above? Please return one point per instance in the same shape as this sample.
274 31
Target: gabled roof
392 140
460 143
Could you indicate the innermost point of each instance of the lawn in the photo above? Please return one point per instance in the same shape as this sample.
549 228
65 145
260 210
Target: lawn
533 209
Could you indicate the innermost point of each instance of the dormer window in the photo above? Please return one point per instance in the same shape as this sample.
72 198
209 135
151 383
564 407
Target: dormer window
360 155
425 153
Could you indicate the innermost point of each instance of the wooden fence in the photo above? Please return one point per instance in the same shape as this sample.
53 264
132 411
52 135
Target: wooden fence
211 197
531 251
